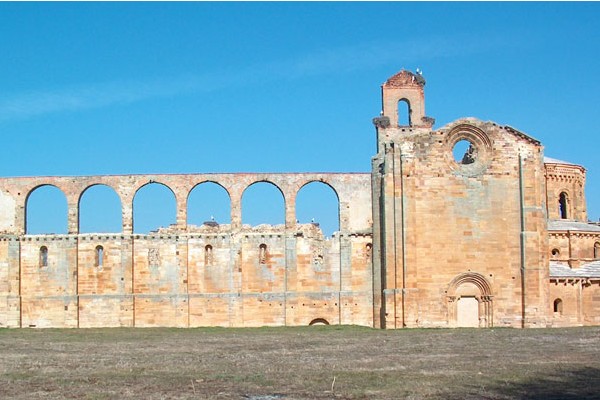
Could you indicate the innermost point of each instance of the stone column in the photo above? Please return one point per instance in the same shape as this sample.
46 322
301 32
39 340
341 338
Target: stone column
290 212
236 209
73 214
127 214
181 218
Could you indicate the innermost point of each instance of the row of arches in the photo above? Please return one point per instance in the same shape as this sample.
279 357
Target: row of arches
555 252
155 205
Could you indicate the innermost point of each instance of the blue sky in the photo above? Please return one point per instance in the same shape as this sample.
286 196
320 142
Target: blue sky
120 88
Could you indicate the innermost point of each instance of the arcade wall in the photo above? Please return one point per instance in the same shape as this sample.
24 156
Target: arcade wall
185 275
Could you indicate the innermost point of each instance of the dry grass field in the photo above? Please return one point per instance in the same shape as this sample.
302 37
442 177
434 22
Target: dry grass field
324 362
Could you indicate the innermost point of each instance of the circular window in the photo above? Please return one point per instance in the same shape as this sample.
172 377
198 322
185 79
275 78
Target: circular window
469 150
464 152
555 252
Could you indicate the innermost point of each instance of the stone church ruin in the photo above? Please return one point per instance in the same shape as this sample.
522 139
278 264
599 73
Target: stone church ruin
465 225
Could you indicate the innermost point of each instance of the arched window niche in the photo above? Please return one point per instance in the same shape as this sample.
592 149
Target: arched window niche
597 250
99 257
558 306
43 257
208 255
262 254
563 205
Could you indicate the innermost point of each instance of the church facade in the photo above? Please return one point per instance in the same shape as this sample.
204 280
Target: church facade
467 225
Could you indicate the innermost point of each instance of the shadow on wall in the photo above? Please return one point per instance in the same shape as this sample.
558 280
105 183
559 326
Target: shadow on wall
562 384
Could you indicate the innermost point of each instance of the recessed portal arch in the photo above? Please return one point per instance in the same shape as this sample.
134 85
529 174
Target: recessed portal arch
469 298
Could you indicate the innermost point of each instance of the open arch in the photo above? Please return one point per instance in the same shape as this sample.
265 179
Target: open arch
563 205
263 203
46 211
100 210
470 301
208 201
154 207
404 112
318 202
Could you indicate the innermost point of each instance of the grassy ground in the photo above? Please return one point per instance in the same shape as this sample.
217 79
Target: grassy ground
300 363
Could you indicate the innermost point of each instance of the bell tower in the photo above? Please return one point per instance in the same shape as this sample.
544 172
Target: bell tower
404 100
402 123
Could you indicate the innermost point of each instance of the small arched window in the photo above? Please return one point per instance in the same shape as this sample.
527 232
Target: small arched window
208 255
404 113
563 203
558 306
43 256
99 256
262 254
368 252
597 250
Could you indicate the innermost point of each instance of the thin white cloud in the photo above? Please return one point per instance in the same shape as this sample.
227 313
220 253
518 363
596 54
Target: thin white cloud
328 61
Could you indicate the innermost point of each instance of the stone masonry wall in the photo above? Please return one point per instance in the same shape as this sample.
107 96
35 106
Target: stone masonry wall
184 276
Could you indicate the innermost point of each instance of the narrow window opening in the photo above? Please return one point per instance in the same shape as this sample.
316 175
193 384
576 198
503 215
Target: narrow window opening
368 252
404 113
43 256
262 254
562 205
597 250
99 256
208 255
558 306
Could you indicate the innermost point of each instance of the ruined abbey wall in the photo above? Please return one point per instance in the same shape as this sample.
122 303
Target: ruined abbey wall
222 275
467 225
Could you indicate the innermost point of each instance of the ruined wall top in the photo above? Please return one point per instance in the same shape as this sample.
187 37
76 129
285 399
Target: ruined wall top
351 189
405 78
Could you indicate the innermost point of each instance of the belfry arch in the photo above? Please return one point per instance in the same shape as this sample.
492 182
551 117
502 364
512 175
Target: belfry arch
469 298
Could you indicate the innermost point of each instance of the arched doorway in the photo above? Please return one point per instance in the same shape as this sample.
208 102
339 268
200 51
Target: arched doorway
470 301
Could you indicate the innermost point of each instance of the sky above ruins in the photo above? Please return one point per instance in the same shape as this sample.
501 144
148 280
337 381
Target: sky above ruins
122 88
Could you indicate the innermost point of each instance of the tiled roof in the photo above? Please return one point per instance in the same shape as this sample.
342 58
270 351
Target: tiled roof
564 225
589 270
548 160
